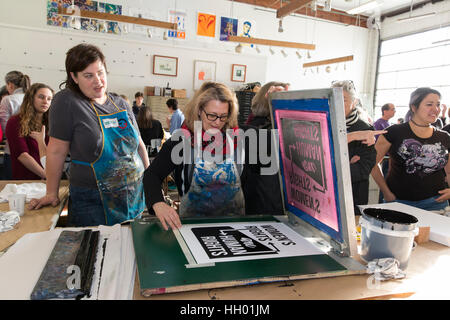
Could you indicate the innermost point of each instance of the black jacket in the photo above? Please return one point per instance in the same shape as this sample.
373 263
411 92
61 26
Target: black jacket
360 171
262 193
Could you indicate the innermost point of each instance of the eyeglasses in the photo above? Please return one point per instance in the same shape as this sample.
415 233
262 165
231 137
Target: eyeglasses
213 117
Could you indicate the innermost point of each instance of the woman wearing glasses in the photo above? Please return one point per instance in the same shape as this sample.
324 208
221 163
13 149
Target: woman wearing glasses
362 155
418 163
205 163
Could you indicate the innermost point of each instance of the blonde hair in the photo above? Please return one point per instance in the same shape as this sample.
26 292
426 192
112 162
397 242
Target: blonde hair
211 91
260 104
27 112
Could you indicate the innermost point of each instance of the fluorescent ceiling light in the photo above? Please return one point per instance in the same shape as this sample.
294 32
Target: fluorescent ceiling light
420 16
365 7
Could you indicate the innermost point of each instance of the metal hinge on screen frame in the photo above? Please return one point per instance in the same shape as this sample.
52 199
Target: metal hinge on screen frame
338 248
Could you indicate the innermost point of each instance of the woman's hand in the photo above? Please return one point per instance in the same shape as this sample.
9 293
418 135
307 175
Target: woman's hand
389 196
445 195
365 136
44 201
167 215
39 136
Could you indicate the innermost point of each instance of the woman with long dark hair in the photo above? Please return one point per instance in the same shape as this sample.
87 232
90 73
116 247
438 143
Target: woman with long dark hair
26 133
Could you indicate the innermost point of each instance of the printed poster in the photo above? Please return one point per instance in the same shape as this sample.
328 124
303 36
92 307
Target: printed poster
238 241
228 27
178 17
308 174
206 25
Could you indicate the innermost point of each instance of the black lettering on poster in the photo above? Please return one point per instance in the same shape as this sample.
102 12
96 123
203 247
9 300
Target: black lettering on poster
303 146
225 241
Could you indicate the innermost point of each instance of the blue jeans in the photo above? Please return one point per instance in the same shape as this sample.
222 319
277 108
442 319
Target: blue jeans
429 204
85 207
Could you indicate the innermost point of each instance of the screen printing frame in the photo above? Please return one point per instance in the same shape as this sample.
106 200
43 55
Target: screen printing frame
331 102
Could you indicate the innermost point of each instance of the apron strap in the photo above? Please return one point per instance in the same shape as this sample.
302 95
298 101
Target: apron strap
81 162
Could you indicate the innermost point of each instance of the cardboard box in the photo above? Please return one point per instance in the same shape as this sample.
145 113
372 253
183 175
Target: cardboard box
179 93
149 91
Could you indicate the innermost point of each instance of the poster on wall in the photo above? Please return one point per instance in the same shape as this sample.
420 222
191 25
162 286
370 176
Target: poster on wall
305 153
203 71
53 18
228 27
206 25
238 241
178 17
246 29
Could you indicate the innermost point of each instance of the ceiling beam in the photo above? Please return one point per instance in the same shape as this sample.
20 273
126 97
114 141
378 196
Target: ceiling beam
291 7
334 15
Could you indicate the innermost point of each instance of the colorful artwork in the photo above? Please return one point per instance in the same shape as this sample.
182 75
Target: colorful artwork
246 28
53 19
206 25
305 149
228 27
178 17
87 5
203 71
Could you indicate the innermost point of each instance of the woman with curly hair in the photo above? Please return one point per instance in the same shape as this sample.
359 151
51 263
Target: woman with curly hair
26 133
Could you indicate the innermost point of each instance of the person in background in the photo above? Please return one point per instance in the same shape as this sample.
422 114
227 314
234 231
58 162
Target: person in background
16 84
362 156
400 120
124 97
99 130
418 159
138 103
3 92
206 187
176 119
151 130
26 133
387 113
262 192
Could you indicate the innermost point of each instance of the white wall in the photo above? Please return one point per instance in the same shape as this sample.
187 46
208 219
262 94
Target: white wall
29 45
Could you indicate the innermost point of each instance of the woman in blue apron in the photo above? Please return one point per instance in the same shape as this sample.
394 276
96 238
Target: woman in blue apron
205 160
100 132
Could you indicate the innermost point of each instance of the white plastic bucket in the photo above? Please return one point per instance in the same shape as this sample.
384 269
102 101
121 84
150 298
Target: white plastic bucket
387 234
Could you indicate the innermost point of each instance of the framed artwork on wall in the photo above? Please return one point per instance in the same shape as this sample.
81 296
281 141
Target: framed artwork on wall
238 72
165 66
203 71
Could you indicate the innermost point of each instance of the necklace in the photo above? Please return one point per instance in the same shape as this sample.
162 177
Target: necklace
420 125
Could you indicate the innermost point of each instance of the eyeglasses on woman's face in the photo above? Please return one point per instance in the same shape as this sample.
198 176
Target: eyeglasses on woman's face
214 117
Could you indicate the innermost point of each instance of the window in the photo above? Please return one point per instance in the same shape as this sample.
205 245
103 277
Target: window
409 62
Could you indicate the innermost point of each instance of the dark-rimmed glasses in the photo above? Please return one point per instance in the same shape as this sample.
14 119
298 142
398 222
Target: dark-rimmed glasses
213 117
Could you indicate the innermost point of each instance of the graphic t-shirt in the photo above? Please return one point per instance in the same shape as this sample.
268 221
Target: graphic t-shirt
416 165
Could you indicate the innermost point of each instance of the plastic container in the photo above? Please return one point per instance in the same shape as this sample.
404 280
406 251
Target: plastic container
387 234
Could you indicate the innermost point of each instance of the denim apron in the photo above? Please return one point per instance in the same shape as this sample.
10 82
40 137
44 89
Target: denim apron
119 169
215 190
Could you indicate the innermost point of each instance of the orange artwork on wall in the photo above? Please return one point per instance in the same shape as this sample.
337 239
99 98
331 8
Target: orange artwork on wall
206 24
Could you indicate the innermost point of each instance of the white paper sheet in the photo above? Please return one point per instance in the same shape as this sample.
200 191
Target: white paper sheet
221 242
22 264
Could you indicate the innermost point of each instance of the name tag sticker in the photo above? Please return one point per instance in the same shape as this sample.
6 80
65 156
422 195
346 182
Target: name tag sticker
110 123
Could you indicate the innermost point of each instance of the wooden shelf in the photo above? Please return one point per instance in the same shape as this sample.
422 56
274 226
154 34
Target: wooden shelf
275 43
328 61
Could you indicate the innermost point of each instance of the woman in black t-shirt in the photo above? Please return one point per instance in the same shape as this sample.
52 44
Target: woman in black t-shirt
418 163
